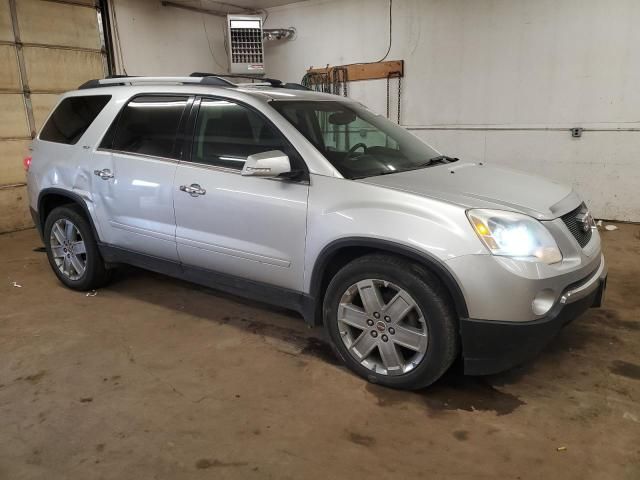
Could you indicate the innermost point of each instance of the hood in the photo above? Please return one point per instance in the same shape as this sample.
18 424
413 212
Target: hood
477 185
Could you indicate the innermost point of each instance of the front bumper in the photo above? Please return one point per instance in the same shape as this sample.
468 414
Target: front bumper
494 346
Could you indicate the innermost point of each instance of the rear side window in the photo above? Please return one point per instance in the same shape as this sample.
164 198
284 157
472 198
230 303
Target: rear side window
72 117
147 125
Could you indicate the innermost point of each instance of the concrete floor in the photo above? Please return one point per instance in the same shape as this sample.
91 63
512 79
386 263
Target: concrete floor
156 378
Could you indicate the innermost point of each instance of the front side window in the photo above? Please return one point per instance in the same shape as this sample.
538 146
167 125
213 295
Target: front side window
357 142
72 117
227 133
148 125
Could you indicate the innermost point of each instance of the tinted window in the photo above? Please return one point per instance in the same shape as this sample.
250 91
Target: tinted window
72 117
148 125
356 141
227 133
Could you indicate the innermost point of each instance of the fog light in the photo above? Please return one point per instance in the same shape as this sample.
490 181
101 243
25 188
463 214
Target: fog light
543 302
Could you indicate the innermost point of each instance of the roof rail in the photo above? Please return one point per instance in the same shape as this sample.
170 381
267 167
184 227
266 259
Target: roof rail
295 86
253 84
274 82
196 78
126 80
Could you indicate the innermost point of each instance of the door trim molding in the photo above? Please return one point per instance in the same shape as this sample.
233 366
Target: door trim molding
232 252
142 231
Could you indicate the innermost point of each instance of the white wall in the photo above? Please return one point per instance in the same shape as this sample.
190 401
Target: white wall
496 80
159 40
493 80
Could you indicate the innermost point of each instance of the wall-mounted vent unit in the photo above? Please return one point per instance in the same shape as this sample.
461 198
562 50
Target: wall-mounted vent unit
246 52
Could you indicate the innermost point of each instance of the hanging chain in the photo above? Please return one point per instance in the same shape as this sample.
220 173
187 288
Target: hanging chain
339 80
389 77
345 83
334 80
399 95
388 80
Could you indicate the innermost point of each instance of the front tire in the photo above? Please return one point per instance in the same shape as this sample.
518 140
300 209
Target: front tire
72 249
391 322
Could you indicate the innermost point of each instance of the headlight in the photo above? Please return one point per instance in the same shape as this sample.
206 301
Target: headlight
514 235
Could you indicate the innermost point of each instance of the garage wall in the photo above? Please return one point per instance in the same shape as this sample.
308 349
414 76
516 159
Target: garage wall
496 80
157 40
46 48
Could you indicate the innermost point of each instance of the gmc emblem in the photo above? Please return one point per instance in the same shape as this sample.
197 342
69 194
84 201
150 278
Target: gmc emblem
585 220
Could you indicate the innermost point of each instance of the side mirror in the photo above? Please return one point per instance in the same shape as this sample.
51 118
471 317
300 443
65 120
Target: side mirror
267 164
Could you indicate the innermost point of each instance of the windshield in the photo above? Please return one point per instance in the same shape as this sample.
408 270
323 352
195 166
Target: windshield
357 142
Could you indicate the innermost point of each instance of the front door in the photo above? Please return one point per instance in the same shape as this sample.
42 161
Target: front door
133 176
248 227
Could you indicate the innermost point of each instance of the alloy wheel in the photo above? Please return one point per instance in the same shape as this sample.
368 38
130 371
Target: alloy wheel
382 327
68 249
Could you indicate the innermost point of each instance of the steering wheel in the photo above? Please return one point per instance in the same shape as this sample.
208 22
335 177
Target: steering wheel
353 149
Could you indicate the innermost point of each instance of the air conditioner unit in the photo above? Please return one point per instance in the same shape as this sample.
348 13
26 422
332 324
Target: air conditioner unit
246 50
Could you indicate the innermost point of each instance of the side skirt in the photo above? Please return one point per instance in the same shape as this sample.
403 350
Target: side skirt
262 292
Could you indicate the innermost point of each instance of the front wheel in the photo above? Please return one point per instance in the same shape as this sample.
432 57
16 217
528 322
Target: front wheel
391 322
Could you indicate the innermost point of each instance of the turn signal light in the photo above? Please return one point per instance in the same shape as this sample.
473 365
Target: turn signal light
26 162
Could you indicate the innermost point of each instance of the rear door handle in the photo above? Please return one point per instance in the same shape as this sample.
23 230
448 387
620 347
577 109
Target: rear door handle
104 174
194 190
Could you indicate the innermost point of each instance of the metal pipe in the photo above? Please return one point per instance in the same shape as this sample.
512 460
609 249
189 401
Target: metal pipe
518 129
217 13
279 33
74 3
194 9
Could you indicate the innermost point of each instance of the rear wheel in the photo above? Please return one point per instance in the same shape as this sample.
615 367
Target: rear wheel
72 249
391 322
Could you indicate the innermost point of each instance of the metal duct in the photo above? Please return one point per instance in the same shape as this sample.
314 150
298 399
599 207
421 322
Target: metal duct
278 33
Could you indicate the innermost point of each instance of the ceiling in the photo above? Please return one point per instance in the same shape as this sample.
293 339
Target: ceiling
233 6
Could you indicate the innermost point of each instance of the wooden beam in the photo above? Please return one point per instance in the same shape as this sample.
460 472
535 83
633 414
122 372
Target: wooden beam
366 71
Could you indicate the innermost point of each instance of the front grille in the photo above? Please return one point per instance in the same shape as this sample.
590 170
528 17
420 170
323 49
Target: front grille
575 227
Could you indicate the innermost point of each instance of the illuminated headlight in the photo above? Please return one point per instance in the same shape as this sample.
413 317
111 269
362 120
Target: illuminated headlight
512 234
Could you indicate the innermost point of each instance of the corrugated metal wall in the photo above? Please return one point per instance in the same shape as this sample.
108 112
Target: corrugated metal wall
46 48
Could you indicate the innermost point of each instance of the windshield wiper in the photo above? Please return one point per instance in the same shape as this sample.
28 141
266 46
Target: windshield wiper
433 161
440 159
428 163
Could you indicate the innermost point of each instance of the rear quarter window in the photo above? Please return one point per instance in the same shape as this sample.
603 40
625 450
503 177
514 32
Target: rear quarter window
147 125
72 117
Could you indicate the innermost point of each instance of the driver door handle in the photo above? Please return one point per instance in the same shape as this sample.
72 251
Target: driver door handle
194 190
104 174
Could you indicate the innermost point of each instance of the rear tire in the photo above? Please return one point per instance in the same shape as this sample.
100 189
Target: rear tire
72 249
391 322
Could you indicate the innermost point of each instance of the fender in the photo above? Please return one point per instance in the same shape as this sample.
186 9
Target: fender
74 197
433 264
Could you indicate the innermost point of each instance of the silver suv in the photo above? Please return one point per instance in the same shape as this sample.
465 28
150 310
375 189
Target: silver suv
409 258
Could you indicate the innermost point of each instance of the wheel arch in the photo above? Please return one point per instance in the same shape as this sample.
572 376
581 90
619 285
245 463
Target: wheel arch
340 252
50 198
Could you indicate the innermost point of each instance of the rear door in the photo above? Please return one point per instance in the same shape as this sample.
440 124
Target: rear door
133 175
248 227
